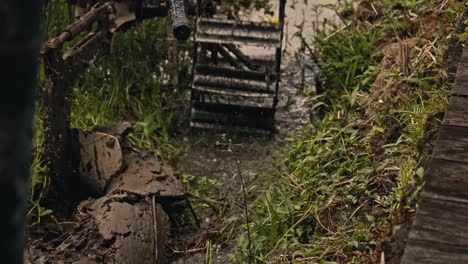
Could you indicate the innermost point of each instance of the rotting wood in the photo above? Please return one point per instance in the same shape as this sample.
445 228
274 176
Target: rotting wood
56 122
127 227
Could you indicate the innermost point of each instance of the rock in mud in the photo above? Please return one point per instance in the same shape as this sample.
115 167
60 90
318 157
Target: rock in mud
101 159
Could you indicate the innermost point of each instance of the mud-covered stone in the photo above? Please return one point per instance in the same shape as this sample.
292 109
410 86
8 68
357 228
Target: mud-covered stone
101 159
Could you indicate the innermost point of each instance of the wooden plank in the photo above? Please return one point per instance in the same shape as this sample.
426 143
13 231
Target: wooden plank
464 55
242 57
457 111
425 252
461 87
230 83
464 60
438 234
234 93
447 177
441 221
219 70
461 80
247 25
240 129
231 98
452 144
238 40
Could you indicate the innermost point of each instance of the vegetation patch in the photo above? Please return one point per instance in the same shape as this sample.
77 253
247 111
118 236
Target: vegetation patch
356 172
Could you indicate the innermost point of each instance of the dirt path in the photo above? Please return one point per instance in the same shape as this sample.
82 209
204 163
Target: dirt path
256 153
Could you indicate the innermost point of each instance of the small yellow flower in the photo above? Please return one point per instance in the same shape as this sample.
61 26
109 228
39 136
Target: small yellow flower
272 20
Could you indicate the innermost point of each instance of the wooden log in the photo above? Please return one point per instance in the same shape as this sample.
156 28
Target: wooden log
227 56
234 84
98 12
241 56
137 231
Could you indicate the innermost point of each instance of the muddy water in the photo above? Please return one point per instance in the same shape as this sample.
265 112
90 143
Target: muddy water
257 155
298 12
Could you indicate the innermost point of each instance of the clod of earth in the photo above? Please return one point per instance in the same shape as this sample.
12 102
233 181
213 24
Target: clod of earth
147 176
125 225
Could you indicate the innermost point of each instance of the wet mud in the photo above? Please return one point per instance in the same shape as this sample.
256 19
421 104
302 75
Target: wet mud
125 222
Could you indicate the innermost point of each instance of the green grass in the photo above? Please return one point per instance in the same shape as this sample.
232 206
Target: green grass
127 85
357 171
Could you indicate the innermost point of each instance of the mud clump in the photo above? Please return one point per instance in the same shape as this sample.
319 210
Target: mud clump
125 221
